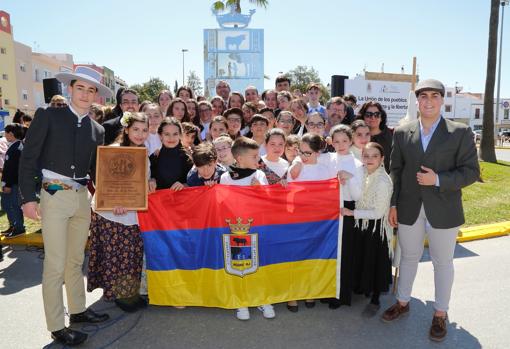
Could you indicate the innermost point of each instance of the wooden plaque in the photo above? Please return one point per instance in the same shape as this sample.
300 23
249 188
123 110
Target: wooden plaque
121 178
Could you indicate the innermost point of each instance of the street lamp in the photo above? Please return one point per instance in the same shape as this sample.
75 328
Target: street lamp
183 51
503 3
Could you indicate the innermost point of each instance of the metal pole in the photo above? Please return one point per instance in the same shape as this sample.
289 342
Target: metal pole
503 3
183 51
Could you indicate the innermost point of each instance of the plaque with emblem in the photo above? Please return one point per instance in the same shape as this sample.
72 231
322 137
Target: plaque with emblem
121 178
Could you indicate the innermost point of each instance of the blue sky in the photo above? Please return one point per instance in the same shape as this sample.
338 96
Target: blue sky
143 39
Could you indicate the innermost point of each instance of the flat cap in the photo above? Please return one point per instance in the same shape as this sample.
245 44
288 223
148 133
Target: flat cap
429 85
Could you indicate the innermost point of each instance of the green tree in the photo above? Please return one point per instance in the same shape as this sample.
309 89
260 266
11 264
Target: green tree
149 91
487 152
302 76
220 6
194 82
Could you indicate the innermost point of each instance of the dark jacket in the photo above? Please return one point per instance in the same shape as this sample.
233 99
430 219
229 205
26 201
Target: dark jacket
11 164
57 142
170 165
385 139
112 129
451 153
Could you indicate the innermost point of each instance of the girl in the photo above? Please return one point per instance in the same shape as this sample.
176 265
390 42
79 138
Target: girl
235 122
251 94
291 148
285 121
360 137
155 116
350 173
11 199
235 100
218 105
164 99
269 114
116 247
171 164
185 93
315 124
189 136
218 127
308 168
179 110
299 111
249 109
223 146
272 163
193 111
372 250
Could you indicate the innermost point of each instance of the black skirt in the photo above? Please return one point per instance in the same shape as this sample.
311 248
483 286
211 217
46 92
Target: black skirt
347 256
371 266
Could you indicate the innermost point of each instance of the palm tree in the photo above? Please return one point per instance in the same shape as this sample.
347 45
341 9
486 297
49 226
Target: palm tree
220 6
487 152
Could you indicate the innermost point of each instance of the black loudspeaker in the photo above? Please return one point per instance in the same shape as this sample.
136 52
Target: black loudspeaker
51 88
338 85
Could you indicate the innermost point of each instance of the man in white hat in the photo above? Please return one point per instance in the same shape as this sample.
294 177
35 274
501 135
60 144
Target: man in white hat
61 144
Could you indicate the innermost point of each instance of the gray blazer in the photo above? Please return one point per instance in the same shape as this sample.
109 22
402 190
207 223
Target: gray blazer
452 154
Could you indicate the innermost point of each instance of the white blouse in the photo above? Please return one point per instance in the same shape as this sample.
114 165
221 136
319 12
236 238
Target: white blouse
351 191
279 167
246 181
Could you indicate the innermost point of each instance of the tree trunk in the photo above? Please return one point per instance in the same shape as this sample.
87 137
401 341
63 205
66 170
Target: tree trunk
487 152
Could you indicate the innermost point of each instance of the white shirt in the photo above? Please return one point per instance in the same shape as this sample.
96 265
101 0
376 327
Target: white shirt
152 143
205 131
279 167
262 150
316 172
258 174
353 187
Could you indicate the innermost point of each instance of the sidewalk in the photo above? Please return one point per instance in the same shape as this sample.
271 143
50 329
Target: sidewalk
476 320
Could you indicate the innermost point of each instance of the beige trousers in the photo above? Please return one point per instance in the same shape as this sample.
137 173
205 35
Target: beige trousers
65 228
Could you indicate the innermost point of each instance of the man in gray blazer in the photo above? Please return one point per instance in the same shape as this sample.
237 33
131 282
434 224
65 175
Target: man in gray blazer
432 160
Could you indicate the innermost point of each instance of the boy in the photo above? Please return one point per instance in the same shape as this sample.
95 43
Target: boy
246 154
206 170
223 147
313 92
258 128
189 136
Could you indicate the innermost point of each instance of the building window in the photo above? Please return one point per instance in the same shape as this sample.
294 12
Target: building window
506 114
24 94
37 78
477 113
3 50
5 77
7 102
47 74
449 94
448 108
22 67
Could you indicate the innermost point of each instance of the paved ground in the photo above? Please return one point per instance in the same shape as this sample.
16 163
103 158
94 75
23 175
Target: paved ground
478 316
503 154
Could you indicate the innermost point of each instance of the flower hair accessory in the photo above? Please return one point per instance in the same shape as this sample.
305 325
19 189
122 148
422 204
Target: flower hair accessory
124 120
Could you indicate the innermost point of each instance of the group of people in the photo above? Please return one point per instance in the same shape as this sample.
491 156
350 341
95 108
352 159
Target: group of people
247 139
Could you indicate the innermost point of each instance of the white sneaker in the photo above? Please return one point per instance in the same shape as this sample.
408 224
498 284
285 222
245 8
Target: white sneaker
267 310
243 314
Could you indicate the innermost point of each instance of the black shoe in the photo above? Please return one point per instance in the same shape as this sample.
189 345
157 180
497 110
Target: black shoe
69 337
310 304
129 305
334 303
14 233
325 300
88 316
6 231
293 308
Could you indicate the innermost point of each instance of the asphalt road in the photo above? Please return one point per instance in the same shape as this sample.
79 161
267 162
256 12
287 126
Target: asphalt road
478 316
503 154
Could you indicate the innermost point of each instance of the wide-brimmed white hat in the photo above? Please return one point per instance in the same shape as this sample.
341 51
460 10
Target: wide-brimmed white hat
88 75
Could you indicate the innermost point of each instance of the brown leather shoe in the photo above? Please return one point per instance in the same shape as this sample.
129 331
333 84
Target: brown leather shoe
396 311
438 330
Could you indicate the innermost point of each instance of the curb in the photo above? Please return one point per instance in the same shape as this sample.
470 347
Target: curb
484 231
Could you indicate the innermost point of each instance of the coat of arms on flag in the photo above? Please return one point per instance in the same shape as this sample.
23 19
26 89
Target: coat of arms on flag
240 249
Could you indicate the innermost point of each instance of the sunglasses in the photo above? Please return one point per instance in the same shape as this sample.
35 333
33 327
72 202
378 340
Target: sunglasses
373 115
315 125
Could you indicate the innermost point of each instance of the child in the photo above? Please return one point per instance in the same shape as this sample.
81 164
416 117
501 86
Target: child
270 116
246 154
153 112
274 167
11 204
249 109
286 122
206 170
258 128
235 122
350 173
291 148
360 137
307 168
313 92
223 147
235 100
189 137
179 110
372 250
116 247
171 164
218 105
315 124
218 127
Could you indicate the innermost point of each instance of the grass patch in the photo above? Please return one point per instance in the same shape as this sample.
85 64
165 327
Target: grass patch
487 202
